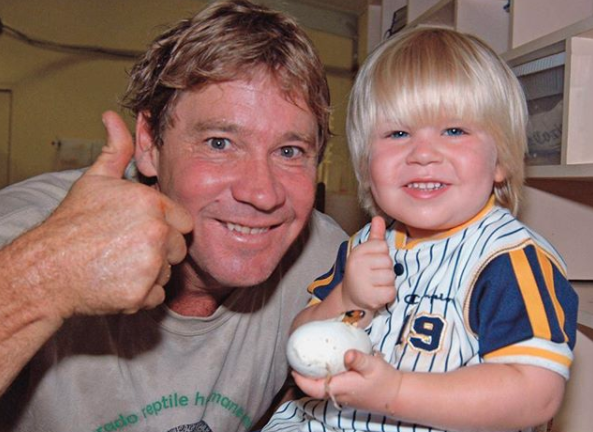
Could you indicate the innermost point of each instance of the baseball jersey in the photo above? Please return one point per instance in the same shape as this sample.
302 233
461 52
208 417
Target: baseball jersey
490 290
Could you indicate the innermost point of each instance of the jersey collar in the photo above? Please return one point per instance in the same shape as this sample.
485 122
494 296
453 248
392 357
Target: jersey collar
403 242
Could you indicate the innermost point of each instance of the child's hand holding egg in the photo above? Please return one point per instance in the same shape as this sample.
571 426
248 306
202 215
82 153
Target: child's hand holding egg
317 349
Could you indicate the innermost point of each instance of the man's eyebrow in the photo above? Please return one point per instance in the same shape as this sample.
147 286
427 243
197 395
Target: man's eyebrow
229 127
219 125
308 138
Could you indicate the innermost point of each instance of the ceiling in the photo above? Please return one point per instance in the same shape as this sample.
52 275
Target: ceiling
356 7
338 17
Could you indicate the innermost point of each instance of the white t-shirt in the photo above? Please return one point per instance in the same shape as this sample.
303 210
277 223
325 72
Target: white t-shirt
156 370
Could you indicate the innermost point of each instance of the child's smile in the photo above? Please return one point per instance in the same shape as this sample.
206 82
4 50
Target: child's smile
425 187
433 178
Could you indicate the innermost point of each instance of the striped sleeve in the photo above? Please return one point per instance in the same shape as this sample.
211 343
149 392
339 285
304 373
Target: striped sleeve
524 310
325 283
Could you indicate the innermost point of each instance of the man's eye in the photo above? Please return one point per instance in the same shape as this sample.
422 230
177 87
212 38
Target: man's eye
218 143
454 132
398 134
291 152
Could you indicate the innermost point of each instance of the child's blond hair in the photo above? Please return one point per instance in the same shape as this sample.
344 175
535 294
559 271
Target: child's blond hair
425 73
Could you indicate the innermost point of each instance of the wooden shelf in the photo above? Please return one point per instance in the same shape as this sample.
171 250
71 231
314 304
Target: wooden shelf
552 41
532 19
561 172
575 44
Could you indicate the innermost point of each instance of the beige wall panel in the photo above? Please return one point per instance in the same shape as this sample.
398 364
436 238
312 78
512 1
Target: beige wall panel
61 96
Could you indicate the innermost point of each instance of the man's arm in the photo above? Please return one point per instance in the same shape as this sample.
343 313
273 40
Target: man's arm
106 249
27 319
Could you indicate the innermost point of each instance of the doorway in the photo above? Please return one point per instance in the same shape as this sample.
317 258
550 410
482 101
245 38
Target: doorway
5 102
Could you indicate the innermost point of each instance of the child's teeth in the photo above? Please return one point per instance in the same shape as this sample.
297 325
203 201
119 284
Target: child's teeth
426 186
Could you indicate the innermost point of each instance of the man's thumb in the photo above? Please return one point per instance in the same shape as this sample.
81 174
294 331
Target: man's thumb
118 151
377 228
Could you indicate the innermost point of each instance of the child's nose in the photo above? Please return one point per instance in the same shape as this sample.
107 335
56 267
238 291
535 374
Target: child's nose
424 151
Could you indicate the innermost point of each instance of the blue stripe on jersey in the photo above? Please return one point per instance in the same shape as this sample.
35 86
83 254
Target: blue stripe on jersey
498 313
568 298
324 284
552 324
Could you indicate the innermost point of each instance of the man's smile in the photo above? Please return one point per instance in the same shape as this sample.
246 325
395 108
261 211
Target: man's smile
246 230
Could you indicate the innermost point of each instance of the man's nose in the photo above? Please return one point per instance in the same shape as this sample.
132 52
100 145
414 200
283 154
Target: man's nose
259 185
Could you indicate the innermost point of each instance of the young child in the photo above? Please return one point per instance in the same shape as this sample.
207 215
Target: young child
478 332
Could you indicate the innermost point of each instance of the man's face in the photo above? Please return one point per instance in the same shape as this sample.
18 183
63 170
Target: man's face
242 159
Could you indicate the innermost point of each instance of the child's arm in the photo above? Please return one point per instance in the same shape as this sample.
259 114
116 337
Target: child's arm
485 397
368 282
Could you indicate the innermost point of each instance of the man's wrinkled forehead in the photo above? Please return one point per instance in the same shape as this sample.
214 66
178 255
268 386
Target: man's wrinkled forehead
291 95
237 106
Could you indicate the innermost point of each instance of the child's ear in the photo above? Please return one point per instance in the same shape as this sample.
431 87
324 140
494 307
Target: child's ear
146 152
500 173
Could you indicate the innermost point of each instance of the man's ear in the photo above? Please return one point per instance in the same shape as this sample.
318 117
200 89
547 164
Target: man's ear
146 152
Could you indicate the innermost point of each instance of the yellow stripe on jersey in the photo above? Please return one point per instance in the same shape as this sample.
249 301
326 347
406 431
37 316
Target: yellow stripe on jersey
313 301
530 351
548 273
321 282
400 237
531 297
350 241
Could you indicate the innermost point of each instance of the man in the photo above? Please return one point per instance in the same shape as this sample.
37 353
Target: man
232 118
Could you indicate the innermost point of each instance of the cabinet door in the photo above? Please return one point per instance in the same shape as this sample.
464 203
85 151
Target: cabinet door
533 19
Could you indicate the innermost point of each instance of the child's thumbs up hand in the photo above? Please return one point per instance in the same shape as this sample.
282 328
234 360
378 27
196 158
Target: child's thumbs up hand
369 281
377 229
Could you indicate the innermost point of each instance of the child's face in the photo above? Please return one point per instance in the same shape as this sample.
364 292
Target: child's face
433 177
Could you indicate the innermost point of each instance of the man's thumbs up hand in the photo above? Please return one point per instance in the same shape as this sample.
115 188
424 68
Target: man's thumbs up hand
113 241
118 152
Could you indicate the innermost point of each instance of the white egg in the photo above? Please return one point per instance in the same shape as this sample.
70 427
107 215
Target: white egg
317 349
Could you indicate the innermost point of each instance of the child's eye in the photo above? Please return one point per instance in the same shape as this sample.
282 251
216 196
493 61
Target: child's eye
399 134
454 131
217 143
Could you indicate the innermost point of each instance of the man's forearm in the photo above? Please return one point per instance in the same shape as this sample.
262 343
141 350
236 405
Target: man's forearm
18 348
28 315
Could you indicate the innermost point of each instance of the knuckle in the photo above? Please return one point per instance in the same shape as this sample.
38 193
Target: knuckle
132 298
156 231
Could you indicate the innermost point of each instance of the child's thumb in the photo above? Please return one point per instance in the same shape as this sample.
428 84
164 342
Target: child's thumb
377 228
357 361
118 151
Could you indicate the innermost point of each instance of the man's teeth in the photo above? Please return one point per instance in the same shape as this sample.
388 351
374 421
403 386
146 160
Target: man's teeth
246 230
426 186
